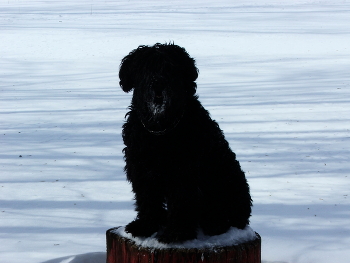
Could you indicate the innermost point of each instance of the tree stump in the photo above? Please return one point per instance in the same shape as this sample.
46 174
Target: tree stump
121 249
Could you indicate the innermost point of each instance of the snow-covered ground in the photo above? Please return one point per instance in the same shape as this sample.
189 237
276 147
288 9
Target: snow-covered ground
274 74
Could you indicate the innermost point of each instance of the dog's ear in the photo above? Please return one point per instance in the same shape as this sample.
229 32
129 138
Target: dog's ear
192 75
129 67
126 75
189 68
192 70
184 59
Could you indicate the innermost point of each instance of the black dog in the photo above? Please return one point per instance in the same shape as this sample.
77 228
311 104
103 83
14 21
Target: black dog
183 172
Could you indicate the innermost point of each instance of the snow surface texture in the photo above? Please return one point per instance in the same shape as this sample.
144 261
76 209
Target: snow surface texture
233 236
274 74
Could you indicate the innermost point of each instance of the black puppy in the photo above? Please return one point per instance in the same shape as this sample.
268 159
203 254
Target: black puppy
182 170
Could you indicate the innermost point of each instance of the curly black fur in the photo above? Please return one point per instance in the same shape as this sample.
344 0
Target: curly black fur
183 173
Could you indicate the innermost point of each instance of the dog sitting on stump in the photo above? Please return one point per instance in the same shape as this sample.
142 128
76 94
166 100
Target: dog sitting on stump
183 173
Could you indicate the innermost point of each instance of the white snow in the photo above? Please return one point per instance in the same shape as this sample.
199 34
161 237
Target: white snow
274 74
233 236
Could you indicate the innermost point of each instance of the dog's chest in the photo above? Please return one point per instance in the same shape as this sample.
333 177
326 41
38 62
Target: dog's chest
168 153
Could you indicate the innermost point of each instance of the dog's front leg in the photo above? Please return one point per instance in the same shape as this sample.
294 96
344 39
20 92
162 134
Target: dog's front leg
182 214
150 209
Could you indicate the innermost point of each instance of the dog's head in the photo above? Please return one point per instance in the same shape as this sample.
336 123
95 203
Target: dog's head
163 79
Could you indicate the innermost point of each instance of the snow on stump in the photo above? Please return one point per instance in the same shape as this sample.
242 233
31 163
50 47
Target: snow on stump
235 246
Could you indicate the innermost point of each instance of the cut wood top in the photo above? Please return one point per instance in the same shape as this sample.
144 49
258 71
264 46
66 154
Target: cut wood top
233 236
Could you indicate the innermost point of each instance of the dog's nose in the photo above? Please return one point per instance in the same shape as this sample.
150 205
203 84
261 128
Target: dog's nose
159 95
158 99
158 89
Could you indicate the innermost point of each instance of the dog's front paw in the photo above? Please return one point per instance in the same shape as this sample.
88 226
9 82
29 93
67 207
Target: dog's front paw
176 236
141 228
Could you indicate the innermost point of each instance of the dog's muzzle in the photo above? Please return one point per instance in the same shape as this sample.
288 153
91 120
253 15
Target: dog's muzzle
157 105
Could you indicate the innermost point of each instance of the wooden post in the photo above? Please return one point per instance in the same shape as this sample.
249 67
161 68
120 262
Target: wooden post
124 250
